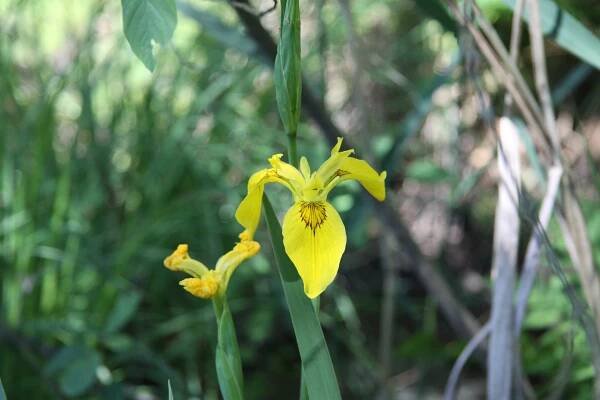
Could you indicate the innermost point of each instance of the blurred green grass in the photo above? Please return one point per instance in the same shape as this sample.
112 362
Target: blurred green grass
105 168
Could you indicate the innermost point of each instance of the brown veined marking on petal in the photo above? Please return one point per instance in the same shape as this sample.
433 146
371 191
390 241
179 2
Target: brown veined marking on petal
341 172
313 214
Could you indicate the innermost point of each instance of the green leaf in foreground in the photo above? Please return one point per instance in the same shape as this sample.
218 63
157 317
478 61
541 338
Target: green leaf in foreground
2 393
170 390
319 375
146 22
567 32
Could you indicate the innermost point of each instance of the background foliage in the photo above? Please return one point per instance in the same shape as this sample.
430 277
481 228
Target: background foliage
106 167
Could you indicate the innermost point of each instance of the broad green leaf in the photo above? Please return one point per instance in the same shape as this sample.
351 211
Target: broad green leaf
146 23
75 367
566 31
227 357
288 73
80 374
318 373
125 308
427 171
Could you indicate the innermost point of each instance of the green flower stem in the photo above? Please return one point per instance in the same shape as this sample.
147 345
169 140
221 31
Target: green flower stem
227 355
292 153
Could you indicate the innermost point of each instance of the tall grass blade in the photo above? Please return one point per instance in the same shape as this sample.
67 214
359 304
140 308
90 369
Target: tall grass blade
319 375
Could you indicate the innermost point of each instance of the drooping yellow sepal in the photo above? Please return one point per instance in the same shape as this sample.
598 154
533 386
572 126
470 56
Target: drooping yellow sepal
314 238
248 212
354 169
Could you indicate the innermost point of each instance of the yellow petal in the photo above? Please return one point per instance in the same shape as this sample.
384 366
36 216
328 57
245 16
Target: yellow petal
248 212
314 238
205 287
180 260
328 169
287 171
228 263
180 254
305 168
360 170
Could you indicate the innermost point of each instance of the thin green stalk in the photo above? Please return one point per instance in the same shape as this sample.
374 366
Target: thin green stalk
292 153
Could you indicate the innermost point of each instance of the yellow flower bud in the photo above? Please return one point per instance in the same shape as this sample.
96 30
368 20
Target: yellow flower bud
174 261
205 287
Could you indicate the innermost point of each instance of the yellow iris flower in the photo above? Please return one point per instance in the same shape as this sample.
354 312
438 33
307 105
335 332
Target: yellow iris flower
209 283
314 236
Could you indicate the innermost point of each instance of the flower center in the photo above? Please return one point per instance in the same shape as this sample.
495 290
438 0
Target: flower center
313 214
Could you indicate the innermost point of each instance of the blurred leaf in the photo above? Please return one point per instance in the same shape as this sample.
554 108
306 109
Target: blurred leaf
146 23
317 367
434 9
288 73
76 369
126 306
81 374
570 82
566 31
61 359
427 171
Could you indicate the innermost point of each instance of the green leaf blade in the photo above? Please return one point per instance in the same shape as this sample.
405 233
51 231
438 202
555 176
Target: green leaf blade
566 31
227 356
148 21
319 374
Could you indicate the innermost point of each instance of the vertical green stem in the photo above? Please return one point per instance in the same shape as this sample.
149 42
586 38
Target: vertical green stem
292 153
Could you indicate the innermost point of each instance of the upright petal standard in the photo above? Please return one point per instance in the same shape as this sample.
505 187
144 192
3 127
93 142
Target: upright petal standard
314 236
